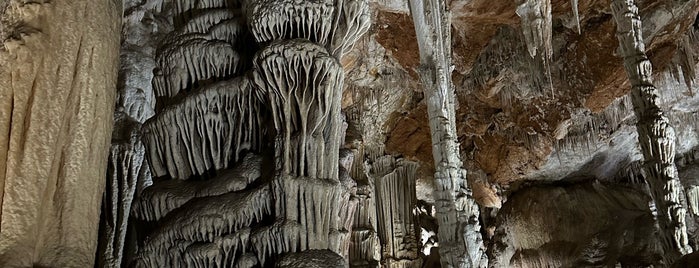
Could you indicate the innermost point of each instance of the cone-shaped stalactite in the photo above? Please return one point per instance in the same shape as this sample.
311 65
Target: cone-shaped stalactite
460 240
655 135
537 27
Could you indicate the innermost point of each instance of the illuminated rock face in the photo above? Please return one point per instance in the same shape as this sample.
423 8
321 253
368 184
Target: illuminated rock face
58 75
276 133
245 162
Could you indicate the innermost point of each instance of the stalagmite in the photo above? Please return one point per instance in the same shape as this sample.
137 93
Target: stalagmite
655 135
460 241
205 131
395 201
365 246
348 200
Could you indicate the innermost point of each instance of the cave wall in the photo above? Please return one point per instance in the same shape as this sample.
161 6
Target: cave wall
534 105
58 70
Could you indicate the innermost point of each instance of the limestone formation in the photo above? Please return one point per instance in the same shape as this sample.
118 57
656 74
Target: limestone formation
365 246
211 205
655 134
180 64
128 169
336 25
58 75
596 225
460 241
207 130
395 202
288 19
164 196
338 133
536 26
301 80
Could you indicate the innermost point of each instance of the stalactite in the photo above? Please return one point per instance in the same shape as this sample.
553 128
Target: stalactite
164 196
191 58
207 219
460 241
353 21
128 170
504 71
395 201
202 23
279 238
693 199
576 14
312 259
537 27
365 246
184 6
683 62
207 130
301 81
125 169
271 20
655 135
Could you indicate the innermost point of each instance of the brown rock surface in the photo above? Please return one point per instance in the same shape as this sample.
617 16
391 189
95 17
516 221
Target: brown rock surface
510 137
58 70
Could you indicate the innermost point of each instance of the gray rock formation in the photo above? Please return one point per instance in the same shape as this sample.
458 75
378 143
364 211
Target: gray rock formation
349 133
655 134
461 244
